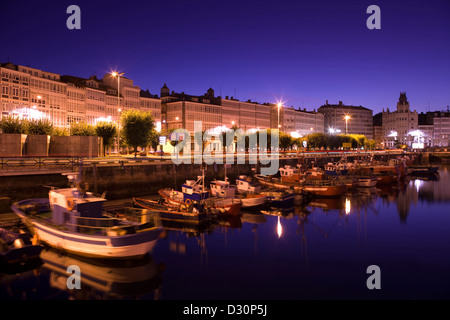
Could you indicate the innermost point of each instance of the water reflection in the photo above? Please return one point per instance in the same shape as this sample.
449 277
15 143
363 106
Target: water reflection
326 241
100 279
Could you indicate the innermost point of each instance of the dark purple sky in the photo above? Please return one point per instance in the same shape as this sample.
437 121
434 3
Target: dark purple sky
300 52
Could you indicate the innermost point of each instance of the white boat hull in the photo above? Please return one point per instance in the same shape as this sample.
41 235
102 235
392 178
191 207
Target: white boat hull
253 201
367 182
90 246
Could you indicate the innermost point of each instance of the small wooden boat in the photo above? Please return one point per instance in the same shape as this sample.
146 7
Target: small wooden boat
367 182
324 188
252 201
18 247
272 182
279 198
189 213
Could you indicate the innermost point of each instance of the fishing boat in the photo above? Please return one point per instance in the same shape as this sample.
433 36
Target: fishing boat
189 213
335 169
324 187
249 185
214 204
73 220
290 174
196 191
272 182
223 189
315 173
18 247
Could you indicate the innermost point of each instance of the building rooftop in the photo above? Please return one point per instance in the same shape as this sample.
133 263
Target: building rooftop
341 105
81 83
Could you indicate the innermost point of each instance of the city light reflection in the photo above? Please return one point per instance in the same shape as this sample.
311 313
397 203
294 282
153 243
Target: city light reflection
279 228
418 183
347 206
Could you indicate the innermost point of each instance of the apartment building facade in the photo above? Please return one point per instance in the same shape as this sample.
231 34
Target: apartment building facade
300 123
341 118
30 93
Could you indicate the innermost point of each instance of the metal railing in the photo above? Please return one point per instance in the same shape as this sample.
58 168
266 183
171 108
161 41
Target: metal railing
38 163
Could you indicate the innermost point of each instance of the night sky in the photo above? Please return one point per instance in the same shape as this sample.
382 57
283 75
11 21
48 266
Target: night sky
302 53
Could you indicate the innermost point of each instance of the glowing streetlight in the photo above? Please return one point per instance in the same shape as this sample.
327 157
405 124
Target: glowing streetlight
347 117
232 123
279 105
177 118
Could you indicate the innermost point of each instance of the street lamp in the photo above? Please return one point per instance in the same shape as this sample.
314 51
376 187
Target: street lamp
116 74
118 131
347 117
279 105
50 101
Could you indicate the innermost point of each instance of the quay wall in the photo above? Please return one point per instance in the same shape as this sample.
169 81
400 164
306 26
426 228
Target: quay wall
118 181
122 181
130 179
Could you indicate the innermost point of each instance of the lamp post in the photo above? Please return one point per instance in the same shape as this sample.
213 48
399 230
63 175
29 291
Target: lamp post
39 97
347 117
118 131
116 74
279 105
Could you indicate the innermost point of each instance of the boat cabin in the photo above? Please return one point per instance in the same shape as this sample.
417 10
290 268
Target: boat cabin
68 205
194 191
223 189
246 184
289 173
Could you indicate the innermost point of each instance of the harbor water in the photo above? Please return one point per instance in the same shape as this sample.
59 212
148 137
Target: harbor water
319 249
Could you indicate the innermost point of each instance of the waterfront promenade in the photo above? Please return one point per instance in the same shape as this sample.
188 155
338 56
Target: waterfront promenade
40 165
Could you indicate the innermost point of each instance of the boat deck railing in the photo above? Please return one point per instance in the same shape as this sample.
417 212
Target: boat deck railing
104 225
321 183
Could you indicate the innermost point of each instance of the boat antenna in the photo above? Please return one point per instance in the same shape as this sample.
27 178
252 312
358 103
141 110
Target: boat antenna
203 178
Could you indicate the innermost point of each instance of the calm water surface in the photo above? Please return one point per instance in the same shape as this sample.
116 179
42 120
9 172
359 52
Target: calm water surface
318 250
